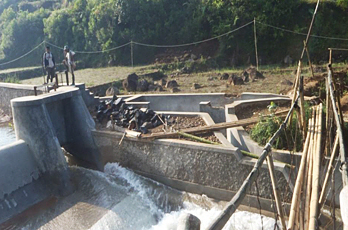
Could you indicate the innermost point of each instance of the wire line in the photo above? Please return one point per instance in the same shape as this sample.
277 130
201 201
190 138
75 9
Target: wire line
24 55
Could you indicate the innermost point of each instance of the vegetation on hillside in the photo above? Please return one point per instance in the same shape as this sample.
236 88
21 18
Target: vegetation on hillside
103 24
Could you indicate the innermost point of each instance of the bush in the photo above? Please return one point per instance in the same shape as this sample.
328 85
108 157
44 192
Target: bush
267 126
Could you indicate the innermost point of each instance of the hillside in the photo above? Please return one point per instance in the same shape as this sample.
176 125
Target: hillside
94 25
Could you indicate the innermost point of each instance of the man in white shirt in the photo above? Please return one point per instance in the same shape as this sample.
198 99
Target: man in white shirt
48 63
69 64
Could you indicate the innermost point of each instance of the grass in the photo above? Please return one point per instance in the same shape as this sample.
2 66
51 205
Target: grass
274 82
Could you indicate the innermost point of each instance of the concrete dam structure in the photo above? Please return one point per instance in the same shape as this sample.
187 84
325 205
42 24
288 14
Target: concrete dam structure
44 124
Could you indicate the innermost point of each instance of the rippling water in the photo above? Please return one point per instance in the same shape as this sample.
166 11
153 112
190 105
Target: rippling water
7 135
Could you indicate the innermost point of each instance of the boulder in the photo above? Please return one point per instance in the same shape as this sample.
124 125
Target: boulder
133 77
175 90
171 84
224 76
251 74
187 221
111 91
235 80
143 85
129 85
196 86
158 88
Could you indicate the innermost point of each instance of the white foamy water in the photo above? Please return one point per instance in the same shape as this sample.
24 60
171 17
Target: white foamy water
131 202
241 220
7 135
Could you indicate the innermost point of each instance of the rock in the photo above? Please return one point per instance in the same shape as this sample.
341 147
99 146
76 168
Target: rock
175 90
286 82
211 78
129 85
133 77
162 82
158 88
187 221
251 74
196 86
151 87
171 84
147 125
143 85
111 91
235 80
224 76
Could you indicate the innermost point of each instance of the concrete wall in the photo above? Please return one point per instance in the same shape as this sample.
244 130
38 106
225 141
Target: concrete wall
8 91
197 164
181 102
20 183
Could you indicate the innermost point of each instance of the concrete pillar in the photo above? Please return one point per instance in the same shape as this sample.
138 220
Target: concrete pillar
79 126
34 126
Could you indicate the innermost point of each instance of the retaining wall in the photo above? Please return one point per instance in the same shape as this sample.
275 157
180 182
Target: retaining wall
9 91
206 168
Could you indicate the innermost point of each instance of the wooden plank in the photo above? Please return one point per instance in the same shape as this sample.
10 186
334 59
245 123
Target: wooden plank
215 127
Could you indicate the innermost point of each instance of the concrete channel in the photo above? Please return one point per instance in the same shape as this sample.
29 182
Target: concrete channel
46 123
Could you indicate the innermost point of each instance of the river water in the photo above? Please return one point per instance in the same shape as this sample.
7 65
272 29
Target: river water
147 205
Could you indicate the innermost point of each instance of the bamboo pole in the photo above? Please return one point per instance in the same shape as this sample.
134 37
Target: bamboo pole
309 58
276 190
232 206
330 56
302 108
298 184
303 51
343 154
310 170
328 113
255 39
328 173
199 139
313 221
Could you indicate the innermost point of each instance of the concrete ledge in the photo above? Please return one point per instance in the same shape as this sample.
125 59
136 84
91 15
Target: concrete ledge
17 167
61 94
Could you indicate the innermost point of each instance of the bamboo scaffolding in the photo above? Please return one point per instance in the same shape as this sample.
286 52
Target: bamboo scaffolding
309 59
298 184
232 205
313 215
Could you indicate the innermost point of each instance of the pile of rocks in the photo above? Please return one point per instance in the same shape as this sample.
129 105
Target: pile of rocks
127 116
249 74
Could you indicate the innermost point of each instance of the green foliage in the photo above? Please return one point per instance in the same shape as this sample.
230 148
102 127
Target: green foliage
12 79
290 137
104 24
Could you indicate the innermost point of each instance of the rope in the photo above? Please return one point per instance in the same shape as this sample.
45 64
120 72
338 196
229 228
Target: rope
294 32
92 52
24 55
193 43
258 201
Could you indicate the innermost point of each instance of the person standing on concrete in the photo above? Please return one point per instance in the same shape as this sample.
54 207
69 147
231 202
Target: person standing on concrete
48 64
69 64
